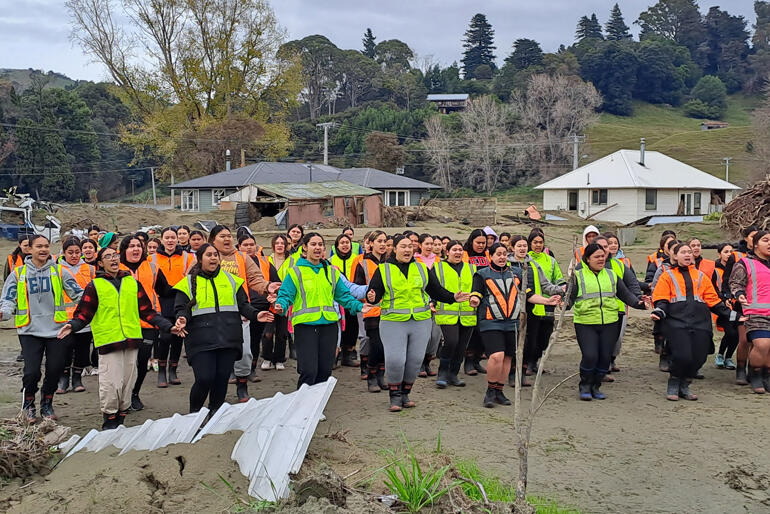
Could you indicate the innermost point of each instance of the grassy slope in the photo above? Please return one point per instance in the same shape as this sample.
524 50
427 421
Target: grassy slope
667 130
22 79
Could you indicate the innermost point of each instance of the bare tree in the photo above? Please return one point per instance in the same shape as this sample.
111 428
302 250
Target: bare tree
486 140
439 146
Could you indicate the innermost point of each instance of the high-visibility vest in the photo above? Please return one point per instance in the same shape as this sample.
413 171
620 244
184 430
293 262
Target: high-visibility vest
22 297
369 267
284 267
117 317
707 266
680 295
207 301
345 266
757 288
174 267
405 296
537 270
548 265
83 276
498 305
15 263
147 275
596 302
315 295
451 313
739 255
579 254
619 268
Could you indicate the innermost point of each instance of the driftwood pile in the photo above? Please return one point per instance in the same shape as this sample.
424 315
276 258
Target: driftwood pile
28 449
752 207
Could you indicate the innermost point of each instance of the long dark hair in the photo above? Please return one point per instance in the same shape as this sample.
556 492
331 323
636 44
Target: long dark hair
195 271
477 232
215 231
337 247
123 248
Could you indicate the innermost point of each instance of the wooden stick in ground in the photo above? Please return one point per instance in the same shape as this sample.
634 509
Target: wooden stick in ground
521 485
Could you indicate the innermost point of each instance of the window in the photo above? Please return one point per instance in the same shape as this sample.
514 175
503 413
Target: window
599 197
189 200
217 195
327 209
696 203
651 199
397 198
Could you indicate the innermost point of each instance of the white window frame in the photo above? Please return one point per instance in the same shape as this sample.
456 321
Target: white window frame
396 192
599 196
221 193
190 200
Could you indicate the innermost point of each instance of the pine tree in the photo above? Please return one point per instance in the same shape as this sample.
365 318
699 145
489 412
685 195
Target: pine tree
526 53
589 28
369 44
616 27
479 46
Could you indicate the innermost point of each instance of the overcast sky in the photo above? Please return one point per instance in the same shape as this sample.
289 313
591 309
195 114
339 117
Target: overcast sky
35 33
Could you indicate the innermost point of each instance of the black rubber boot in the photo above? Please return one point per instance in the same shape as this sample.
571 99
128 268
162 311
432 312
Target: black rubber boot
468 366
381 379
136 402
253 374
663 364
755 379
595 391
371 382
478 366
162 378
512 378
242 389
172 378
110 421
672 389
443 373
348 359
453 378
292 350
500 397
740 375
122 417
395 397
531 368
684 390
46 407
64 382
77 380
584 387
29 410
364 367
406 388
489 398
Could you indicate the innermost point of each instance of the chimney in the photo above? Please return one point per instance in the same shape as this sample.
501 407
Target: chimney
641 152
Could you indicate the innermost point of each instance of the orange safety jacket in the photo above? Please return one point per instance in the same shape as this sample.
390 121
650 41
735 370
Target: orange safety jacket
146 274
369 267
686 310
500 307
83 276
174 267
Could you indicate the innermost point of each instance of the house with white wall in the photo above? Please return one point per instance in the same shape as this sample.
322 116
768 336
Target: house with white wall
629 185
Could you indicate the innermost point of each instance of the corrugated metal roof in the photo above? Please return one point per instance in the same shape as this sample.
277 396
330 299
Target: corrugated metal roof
371 177
316 190
621 170
447 97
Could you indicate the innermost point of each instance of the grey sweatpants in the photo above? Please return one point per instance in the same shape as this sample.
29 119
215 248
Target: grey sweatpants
242 367
404 343
363 339
434 340
619 342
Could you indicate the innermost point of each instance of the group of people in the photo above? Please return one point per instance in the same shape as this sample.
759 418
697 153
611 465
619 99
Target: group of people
389 304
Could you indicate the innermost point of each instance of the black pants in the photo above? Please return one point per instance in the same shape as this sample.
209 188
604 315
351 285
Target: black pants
350 334
376 356
316 347
274 340
169 348
539 330
688 349
456 339
256 331
475 348
211 370
145 352
33 349
729 340
596 343
79 351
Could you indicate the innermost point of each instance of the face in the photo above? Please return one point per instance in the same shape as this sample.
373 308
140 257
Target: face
41 249
605 246
537 244
455 254
88 251
196 240
183 235
426 247
152 247
249 247
344 245
685 257
415 243
279 246
389 246
590 237
750 240
224 242
520 249
490 240
725 253
596 261
110 261
134 251
24 245
614 245
500 257
210 259
404 250
437 246
696 247
380 245
114 244
72 254
315 249
479 244
295 234
505 240
349 233
169 240
670 250
762 248
445 242
93 235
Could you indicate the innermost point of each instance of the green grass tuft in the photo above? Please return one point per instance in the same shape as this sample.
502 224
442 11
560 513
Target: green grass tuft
414 487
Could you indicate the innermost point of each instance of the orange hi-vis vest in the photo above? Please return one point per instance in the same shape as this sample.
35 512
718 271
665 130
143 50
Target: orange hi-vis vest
174 267
707 266
146 274
369 267
83 276
264 268
13 264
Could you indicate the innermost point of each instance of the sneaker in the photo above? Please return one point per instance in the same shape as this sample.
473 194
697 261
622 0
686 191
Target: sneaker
719 361
267 365
280 366
729 363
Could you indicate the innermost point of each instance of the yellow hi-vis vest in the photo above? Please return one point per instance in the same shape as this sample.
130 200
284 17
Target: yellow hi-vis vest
596 303
315 295
209 300
538 309
22 297
404 297
117 316
450 313
619 268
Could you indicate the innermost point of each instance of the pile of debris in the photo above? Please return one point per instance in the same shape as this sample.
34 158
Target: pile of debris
411 216
28 449
752 207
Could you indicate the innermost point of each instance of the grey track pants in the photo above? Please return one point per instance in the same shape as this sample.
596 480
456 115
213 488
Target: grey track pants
619 342
242 367
434 340
404 343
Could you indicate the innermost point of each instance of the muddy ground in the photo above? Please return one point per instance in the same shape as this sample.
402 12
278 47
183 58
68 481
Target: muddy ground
634 452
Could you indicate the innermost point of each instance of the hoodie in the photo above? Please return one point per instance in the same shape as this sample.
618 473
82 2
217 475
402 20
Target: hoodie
588 230
489 232
41 303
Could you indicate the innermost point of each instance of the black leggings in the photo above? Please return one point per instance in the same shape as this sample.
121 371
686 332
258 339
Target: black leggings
456 338
79 351
33 349
596 343
169 348
256 331
689 350
376 356
211 370
729 340
145 352
274 340
316 347
539 329
350 334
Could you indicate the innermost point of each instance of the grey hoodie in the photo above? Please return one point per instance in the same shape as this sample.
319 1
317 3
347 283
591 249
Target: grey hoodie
41 303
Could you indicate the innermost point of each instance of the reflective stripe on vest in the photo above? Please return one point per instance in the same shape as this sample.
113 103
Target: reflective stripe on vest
21 319
84 275
223 297
619 268
408 299
498 306
595 302
345 266
539 309
451 313
315 302
757 289
678 290
117 317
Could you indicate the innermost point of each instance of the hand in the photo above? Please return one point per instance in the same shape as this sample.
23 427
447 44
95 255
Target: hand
64 331
178 331
181 322
564 288
432 308
743 319
742 299
272 297
366 308
474 301
265 317
654 317
371 295
462 297
553 300
273 287
278 308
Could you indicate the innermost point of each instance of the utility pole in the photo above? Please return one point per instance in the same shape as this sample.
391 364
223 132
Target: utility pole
310 170
576 140
172 191
152 176
727 168
326 139
132 179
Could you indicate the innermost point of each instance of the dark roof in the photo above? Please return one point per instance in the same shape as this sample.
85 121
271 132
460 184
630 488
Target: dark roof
298 173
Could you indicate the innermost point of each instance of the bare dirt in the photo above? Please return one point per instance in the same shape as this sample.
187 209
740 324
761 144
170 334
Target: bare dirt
634 452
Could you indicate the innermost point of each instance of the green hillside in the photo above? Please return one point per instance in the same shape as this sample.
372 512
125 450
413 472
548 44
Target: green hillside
22 79
668 130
